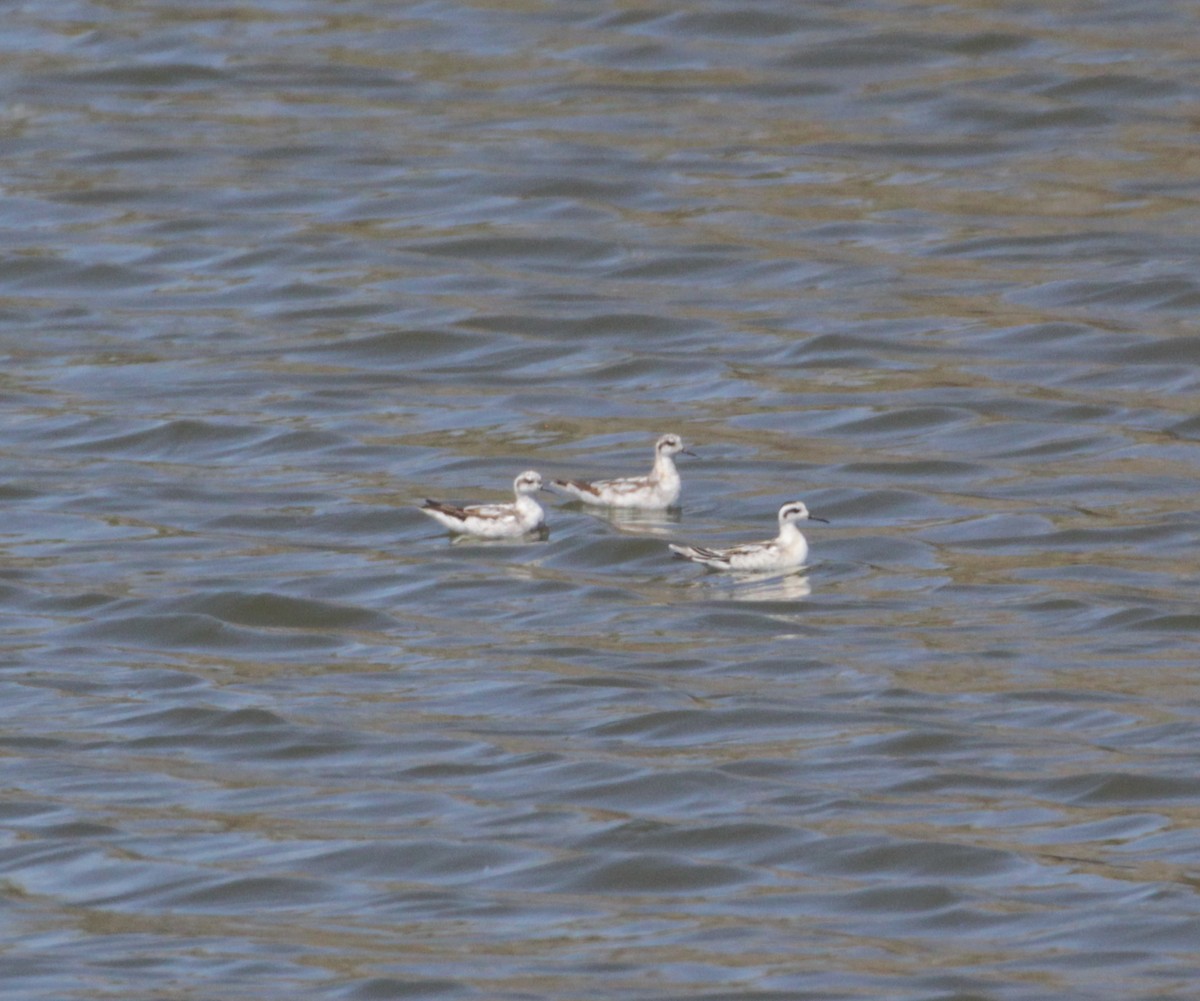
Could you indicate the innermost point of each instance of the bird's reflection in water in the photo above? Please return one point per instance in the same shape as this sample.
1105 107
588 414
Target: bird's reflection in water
631 521
540 534
792 586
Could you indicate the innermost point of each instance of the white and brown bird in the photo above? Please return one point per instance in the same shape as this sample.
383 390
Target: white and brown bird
494 521
788 549
657 490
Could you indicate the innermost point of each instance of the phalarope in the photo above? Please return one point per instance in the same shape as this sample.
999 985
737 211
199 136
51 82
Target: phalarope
494 521
657 490
788 549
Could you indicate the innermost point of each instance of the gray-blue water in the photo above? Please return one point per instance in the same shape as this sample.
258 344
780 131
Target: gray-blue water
272 273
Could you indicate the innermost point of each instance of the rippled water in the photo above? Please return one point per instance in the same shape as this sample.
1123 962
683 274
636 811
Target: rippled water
273 273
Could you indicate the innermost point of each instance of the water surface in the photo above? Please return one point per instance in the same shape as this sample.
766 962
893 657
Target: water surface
270 274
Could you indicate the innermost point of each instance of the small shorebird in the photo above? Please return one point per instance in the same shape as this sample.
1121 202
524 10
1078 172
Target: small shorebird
657 490
494 521
789 549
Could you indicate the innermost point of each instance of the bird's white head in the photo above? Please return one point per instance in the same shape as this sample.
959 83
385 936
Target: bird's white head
794 511
670 444
528 482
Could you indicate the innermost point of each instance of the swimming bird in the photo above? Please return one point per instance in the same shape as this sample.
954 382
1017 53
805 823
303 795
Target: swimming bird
494 521
657 490
788 549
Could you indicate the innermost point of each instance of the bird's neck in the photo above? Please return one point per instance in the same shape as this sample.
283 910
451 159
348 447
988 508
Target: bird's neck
792 544
664 468
790 536
527 505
